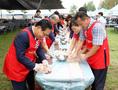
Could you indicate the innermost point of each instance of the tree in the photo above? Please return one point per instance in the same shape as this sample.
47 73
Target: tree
108 4
85 5
73 9
90 6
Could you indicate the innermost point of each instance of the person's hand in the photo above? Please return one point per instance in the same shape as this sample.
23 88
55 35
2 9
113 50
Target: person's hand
38 67
45 62
48 58
83 56
70 59
47 68
68 53
73 59
42 68
72 55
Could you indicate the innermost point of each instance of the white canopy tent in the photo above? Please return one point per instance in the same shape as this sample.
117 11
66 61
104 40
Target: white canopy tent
105 11
5 14
17 12
94 13
31 13
91 13
114 11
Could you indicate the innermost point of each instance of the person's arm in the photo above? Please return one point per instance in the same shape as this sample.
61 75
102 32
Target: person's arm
99 35
52 36
41 54
56 31
79 43
72 45
21 43
72 57
46 54
92 51
84 50
77 50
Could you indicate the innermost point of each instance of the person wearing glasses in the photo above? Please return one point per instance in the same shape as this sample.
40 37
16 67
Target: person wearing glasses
20 61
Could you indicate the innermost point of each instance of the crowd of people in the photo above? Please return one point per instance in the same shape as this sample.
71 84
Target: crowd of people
29 51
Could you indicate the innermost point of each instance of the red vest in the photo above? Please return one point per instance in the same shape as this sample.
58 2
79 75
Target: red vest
101 58
12 67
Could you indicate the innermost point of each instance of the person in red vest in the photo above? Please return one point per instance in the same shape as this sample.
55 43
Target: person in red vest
96 50
20 61
75 39
53 19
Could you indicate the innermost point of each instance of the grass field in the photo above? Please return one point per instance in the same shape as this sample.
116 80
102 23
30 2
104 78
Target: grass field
5 41
111 82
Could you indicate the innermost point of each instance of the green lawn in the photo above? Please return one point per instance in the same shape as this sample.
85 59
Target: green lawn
111 83
5 41
112 77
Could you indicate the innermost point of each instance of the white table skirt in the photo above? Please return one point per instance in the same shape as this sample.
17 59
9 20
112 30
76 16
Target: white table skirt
66 76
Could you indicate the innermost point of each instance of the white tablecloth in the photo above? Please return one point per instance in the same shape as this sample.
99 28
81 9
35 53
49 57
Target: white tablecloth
66 76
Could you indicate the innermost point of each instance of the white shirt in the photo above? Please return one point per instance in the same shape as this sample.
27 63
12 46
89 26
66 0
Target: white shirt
102 20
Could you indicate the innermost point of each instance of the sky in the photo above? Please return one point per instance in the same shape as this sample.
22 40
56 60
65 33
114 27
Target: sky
68 3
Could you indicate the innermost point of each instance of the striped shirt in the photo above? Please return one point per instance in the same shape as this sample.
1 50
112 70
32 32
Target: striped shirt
98 32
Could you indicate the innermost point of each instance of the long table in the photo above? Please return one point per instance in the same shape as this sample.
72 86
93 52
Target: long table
65 75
